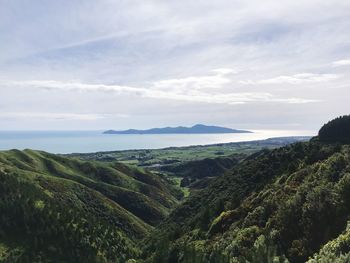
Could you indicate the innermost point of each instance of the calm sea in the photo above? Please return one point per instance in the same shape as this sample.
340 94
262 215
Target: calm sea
94 141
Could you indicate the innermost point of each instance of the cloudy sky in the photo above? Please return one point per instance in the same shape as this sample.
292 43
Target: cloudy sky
88 64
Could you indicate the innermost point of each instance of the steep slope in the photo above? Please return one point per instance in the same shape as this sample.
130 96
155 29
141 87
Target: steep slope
335 251
197 174
57 209
337 130
276 206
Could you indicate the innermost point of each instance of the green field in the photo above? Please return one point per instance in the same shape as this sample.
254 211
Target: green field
157 157
191 167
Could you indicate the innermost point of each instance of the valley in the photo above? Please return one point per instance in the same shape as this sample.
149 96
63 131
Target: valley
174 131
281 200
191 167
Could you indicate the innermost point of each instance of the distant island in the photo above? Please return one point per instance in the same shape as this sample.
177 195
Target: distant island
196 129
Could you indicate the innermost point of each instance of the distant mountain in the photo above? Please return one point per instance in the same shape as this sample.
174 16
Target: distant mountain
196 129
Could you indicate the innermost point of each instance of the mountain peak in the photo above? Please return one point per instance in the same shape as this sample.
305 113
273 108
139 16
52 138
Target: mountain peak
196 129
199 125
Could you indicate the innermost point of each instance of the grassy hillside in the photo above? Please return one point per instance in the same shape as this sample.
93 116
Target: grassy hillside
57 209
193 167
282 205
290 204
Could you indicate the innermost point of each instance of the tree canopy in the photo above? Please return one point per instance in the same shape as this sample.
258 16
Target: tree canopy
337 130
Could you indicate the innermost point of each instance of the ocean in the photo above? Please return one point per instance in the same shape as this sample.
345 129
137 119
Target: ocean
95 141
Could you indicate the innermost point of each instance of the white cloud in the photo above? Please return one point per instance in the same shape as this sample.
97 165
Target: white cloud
71 86
57 116
293 79
191 89
224 71
344 62
143 56
194 82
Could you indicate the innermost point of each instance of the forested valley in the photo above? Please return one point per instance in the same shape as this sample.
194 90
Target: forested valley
277 204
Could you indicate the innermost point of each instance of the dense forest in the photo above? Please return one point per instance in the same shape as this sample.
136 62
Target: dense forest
337 130
56 209
290 204
199 173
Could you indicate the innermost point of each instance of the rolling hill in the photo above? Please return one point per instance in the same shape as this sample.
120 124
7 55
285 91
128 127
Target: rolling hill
194 166
57 209
288 204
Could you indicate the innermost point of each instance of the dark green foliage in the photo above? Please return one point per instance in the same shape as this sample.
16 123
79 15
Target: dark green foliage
290 204
45 230
195 173
335 251
275 206
337 130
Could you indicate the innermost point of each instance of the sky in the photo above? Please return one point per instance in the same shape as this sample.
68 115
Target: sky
115 64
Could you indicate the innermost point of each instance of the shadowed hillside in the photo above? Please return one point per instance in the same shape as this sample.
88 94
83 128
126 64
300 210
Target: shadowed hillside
337 130
290 204
197 174
281 205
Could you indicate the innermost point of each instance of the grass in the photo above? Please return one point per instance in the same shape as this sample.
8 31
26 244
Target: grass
185 190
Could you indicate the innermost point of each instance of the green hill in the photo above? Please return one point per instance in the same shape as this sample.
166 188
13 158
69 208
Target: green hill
57 209
337 130
197 174
290 204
